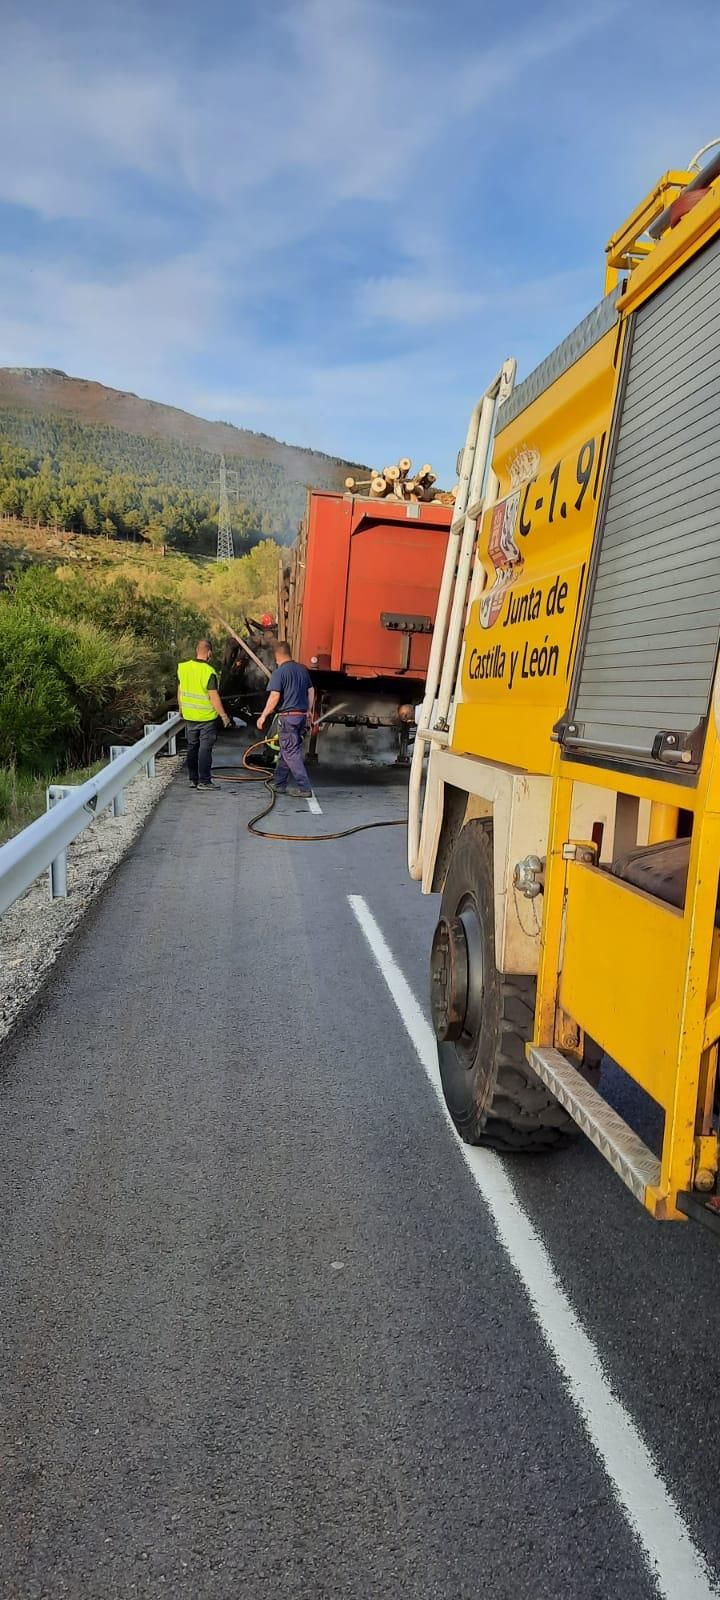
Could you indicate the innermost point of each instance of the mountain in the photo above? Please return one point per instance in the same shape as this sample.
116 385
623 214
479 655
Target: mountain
44 411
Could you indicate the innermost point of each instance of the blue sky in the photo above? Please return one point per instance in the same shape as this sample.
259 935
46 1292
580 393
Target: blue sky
329 220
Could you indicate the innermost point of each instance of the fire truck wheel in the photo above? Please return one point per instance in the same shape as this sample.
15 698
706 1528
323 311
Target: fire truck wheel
482 1019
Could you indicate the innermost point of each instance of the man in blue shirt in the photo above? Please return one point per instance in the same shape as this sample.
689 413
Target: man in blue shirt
291 695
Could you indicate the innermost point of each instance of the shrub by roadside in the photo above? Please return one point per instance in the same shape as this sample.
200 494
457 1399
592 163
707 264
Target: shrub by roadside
67 689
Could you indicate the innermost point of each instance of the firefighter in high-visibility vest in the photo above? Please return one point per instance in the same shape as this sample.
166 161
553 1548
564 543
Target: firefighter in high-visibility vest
200 705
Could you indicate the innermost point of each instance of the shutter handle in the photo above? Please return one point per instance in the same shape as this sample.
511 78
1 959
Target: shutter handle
672 749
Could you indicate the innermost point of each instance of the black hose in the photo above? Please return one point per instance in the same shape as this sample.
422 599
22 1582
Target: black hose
258 773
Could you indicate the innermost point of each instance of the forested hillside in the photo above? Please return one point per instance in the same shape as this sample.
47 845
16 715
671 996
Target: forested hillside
111 461
58 473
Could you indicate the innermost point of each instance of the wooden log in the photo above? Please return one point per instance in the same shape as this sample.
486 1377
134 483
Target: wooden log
405 464
378 486
350 483
392 474
245 646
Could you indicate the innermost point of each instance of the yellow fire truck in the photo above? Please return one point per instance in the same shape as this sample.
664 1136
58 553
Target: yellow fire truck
569 807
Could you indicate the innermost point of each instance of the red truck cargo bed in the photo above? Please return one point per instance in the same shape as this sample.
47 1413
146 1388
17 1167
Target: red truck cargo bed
364 585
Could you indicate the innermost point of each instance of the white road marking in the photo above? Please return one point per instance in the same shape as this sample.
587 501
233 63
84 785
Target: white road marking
314 806
675 1563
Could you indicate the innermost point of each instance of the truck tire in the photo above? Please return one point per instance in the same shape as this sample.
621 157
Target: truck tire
482 1019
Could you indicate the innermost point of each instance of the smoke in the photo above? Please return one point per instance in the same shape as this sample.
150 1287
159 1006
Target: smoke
346 747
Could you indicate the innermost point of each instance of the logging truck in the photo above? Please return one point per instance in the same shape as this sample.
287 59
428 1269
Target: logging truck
565 782
357 597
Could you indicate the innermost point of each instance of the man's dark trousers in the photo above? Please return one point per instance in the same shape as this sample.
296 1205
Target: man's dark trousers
291 763
201 737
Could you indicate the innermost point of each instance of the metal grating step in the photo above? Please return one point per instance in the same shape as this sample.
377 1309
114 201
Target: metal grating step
630 1157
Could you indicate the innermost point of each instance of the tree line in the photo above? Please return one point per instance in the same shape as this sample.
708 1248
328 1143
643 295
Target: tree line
82 498
274 498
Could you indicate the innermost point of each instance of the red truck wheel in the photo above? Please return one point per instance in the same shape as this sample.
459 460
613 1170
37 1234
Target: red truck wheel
483 1019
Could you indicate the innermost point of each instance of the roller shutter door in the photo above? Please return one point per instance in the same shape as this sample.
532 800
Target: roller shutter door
648 655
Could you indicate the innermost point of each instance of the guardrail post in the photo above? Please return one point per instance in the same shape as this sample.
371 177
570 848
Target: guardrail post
172 741
150 763
57 871
118 804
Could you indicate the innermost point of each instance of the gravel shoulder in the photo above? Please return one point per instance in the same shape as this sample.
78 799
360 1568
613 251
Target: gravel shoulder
35 930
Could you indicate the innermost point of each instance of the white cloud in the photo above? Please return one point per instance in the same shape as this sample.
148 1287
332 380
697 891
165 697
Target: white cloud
548 34
74 127
416 301
132 330
433 302
449 186
317 97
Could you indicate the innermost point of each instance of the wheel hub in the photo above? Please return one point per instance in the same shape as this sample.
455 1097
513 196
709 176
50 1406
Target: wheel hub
449 973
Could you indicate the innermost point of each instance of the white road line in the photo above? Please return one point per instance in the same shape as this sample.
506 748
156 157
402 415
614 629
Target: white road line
314 806
674 1561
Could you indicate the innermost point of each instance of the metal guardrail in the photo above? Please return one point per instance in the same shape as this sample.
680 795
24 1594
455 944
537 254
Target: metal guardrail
42 846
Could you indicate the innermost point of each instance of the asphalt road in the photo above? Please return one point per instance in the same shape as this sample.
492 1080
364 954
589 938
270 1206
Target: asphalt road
259 1333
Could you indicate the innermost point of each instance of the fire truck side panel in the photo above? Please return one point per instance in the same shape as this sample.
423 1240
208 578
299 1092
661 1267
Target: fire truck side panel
533 549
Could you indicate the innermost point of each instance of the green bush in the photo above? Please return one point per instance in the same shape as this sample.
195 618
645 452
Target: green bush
67 688
86 657
165 628
114 683
167 623
37 715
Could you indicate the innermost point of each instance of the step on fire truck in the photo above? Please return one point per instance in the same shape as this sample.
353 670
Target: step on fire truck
569 808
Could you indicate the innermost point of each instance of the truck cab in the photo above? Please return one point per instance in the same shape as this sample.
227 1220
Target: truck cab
568 810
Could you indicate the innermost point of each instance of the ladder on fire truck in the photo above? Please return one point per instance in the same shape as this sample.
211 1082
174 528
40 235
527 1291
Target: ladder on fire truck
476 489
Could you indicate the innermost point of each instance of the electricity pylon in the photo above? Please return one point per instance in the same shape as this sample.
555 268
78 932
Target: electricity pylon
225 546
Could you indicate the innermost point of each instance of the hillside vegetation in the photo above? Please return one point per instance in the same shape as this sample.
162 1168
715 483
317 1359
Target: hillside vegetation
79 427
58 473
90 636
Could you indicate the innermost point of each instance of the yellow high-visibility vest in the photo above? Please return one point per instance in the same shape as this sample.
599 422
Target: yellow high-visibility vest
193 679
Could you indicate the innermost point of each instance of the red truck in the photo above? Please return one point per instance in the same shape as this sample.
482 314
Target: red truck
357 603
